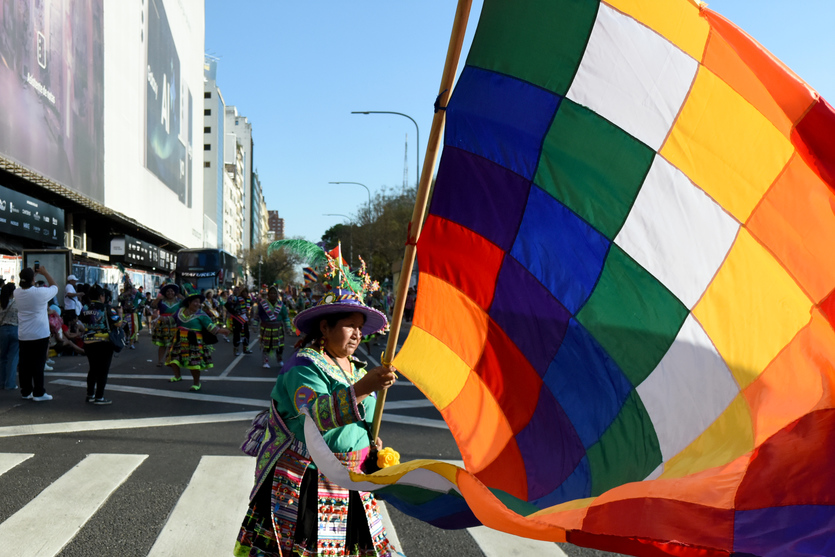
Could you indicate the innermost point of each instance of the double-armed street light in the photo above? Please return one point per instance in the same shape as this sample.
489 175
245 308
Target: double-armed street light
417 166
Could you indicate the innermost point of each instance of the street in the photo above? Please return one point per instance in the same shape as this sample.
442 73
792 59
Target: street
159 472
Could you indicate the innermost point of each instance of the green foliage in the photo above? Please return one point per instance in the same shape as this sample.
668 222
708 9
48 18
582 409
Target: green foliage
308 252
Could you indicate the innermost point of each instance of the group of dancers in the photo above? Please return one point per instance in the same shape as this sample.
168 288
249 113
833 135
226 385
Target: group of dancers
188 324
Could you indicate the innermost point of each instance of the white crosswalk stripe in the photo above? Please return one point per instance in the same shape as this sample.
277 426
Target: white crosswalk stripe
208 515
9 461
66 505
205 519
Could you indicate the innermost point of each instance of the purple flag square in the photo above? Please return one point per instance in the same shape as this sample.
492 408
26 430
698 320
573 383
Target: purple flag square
529 314
549 446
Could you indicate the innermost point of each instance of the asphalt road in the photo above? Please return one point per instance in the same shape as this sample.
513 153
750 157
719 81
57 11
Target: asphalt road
127 479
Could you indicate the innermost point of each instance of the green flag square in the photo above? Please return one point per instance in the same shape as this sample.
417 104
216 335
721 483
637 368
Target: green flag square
632 315
628 451
539 41
593 167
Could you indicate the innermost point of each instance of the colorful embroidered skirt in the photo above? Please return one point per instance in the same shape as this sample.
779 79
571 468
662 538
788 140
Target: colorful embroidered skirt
312 516
131 326
164 330
272 339
188 350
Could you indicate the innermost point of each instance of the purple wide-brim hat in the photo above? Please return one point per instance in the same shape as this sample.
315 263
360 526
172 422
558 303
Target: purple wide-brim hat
170 285
307 321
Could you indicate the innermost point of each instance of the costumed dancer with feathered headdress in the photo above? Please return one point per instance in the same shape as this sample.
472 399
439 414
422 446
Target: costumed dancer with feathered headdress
293 508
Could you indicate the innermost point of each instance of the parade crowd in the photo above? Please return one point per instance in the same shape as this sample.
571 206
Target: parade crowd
184 325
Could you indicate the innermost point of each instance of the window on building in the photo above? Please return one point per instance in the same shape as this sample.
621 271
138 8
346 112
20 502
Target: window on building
207 112
207 164
207 129
207 146
207 94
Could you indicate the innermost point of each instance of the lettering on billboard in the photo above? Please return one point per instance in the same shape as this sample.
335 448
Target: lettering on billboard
21 215
168 106
52 90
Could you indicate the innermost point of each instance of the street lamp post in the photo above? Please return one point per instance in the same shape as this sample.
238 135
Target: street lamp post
417 129
358 184
260 263
351 237
370 218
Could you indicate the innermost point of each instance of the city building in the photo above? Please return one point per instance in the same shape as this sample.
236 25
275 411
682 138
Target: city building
233 200
276 225
239 127
98 121
214 120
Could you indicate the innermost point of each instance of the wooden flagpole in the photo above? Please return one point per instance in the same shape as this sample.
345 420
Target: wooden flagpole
456 42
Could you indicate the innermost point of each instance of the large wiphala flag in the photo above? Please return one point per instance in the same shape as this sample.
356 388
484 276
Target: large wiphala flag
625 309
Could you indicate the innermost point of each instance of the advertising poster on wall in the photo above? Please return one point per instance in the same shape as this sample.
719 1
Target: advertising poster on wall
52 90
24 216
168 105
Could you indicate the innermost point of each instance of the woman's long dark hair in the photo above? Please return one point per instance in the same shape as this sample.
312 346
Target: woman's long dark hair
6 294
331 319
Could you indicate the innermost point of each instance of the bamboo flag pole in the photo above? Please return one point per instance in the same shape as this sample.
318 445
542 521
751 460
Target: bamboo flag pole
456 42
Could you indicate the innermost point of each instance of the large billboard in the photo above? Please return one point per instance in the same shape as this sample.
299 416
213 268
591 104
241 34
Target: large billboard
153 63
51 90
168 107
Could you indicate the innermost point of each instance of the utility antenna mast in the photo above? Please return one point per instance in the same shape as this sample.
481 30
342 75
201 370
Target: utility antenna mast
406 165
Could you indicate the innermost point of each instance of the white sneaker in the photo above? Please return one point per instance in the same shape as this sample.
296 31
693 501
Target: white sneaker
266 365
43 398
50 361
48 368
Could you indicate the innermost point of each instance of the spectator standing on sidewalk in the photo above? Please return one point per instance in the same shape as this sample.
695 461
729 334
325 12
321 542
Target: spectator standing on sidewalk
72 302
33 332
9 347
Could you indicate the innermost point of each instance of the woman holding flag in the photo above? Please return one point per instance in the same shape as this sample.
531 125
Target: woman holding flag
294 509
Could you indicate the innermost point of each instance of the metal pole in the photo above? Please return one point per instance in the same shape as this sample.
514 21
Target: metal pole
370 219
417 129
358 184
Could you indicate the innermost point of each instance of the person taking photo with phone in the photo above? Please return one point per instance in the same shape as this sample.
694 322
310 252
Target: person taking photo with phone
33 331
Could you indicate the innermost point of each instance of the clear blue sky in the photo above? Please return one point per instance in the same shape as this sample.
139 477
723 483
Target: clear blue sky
298 69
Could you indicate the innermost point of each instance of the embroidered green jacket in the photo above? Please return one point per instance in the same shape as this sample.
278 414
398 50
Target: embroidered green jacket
308 379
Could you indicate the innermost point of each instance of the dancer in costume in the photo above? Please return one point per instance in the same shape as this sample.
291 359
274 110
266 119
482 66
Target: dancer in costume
167 303
274 318
132 303
210 306
239 309
188 348
293 509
